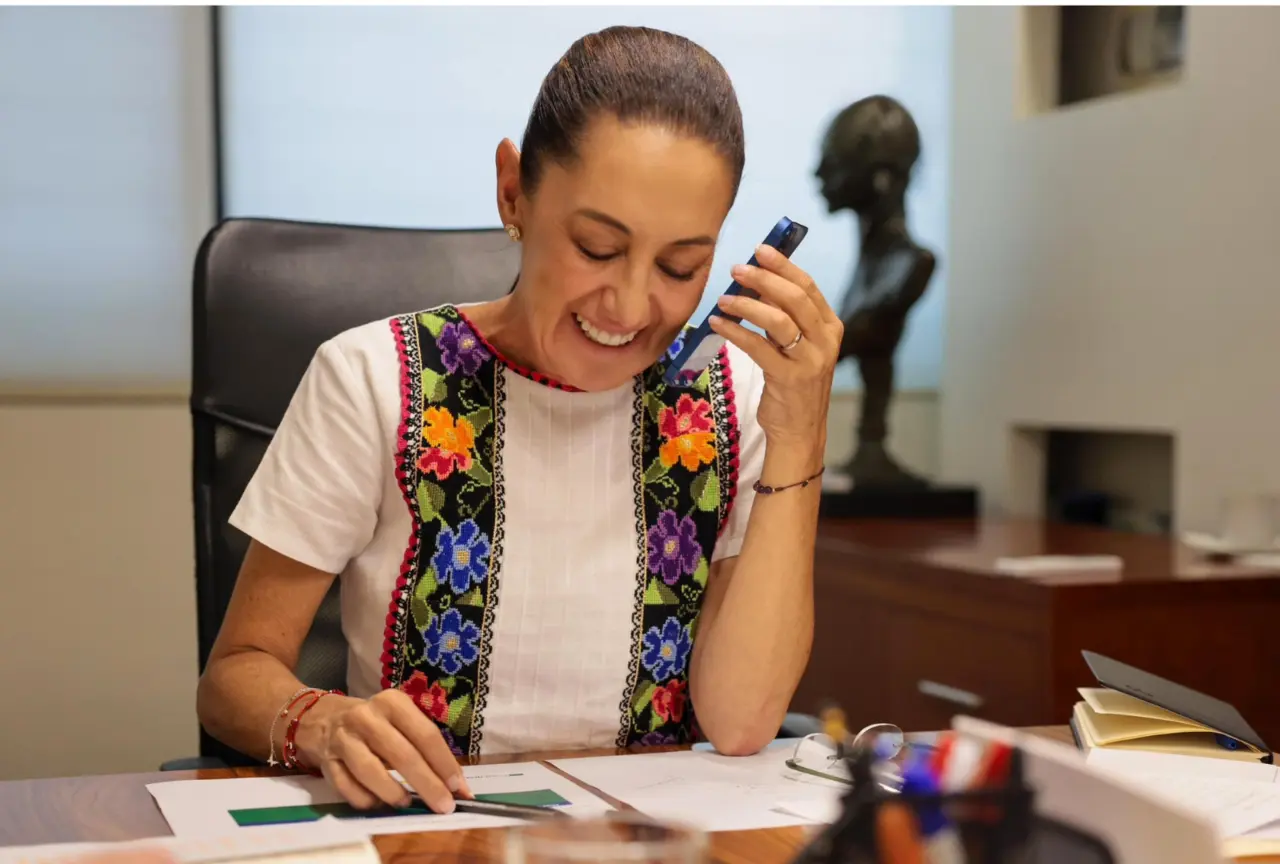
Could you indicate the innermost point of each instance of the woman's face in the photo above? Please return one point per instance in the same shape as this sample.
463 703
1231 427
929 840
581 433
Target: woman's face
617 246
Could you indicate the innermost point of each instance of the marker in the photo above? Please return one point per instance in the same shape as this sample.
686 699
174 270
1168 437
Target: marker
496 808
941 842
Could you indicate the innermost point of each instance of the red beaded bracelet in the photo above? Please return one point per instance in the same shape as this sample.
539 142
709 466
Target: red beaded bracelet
291 733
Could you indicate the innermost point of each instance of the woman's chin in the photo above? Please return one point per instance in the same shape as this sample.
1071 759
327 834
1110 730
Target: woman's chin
594 367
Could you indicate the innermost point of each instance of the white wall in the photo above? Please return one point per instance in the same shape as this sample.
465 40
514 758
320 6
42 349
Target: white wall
1114 264
391 116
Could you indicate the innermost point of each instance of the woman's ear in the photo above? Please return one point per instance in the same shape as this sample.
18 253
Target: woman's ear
510 194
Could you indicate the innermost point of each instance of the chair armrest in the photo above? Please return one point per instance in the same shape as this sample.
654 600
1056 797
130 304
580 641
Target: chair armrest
193 763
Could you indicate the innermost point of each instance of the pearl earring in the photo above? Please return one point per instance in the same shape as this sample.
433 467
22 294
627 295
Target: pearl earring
514 233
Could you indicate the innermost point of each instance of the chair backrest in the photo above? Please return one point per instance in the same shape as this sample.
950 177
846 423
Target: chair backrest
267 294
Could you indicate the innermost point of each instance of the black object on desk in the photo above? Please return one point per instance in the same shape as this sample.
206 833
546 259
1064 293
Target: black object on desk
496 808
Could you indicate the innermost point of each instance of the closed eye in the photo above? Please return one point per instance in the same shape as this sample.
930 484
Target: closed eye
677 275
596 256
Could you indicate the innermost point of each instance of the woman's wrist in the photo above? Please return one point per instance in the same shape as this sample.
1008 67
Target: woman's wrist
790 462
312 735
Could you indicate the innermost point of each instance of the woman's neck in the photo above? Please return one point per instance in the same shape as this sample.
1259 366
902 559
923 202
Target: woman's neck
505 324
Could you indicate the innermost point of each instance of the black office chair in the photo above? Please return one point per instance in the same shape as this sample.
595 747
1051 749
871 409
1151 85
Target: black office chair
266 294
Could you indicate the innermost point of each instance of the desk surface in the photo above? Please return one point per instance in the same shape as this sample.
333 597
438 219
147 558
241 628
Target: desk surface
118 807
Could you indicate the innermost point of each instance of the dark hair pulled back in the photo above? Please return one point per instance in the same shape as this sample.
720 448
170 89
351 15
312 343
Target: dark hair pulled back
637 74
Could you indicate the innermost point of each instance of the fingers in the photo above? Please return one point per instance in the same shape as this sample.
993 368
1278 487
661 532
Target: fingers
348 787
755 346
772 320
775 262
788 297
370 772
425 738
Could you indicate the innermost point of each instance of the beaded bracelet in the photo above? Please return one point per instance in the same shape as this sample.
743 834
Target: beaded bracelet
762 489
280 715
291 732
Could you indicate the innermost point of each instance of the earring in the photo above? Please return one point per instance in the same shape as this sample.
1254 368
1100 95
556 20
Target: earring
514 233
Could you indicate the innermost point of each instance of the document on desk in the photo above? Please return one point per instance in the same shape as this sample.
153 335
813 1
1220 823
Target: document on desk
1237 796
710 791
326 842
204 808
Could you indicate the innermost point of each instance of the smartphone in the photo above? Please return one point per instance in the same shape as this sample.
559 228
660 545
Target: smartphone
701 344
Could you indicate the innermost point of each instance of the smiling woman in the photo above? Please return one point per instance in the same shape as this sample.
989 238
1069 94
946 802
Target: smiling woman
542 545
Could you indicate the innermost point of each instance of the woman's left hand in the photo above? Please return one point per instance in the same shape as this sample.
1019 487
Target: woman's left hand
798 358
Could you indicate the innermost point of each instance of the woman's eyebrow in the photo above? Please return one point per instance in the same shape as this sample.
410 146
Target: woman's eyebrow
606 219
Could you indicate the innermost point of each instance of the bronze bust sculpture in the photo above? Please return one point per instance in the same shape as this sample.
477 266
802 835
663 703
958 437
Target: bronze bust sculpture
867 157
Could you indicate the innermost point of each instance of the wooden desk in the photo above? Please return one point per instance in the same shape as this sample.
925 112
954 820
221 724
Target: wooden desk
118 807
902 607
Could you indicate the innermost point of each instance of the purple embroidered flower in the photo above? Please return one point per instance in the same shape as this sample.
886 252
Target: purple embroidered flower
462 557
460 349
666 650
657 739
451 741
673 547
451 641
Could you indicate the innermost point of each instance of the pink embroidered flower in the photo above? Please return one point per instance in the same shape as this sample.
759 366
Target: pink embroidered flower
690 437
668 701
428 696
451 443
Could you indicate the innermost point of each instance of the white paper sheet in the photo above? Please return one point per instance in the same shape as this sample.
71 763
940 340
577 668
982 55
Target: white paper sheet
707 790
326 842
1238 796
202 808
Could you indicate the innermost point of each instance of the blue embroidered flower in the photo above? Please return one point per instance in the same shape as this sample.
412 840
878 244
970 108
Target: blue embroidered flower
673 547
451 641
666 650
461 349
451 741
462 557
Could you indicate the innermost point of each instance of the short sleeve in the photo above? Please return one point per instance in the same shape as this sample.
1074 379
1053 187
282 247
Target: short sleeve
748 385
316 493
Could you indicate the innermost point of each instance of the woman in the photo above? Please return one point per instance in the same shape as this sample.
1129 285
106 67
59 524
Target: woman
530 527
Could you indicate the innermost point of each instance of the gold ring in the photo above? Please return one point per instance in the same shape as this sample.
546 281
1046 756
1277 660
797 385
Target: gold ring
793 343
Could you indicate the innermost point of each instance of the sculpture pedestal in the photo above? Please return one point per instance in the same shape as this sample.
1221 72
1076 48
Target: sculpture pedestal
928 502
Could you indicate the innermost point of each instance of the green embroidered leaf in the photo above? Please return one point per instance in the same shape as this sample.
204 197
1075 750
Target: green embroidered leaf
418 604
656 722
471 598
434 388
460 715
693 626
643 697
655 471
654 406
700 575
447 684
479 473
479 419
433 323
704 381
658 594
706 491
430 500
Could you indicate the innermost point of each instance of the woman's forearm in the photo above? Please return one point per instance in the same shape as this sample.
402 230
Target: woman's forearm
240 695
753 647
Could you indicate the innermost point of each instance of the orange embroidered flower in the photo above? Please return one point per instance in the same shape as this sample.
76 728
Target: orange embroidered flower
689 434
452 443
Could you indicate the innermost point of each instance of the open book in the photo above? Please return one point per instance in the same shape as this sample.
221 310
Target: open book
1135 710
1115 720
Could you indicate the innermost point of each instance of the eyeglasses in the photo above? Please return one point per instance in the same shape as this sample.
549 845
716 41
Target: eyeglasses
817 755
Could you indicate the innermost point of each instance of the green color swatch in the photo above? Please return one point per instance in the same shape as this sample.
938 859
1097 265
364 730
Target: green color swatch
341 810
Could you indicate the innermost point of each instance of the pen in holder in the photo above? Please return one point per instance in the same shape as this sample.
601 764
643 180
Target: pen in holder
989 825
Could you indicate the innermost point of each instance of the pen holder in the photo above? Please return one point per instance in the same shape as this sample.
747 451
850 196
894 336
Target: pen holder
995 825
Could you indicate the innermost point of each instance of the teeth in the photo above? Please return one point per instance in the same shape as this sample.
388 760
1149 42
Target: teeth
595 334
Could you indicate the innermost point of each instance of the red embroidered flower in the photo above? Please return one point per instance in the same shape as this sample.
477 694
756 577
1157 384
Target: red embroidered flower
429 697
668 701
689 416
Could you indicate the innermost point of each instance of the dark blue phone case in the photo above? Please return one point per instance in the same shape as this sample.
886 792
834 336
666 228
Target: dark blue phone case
702 343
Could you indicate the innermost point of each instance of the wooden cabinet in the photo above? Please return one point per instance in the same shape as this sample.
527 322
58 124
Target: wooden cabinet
913 625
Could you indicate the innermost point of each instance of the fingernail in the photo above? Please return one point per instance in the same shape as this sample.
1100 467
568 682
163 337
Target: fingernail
454 783
740 270
763 251
445 806
727 301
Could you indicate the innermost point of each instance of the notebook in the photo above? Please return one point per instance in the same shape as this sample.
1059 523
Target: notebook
1135 710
